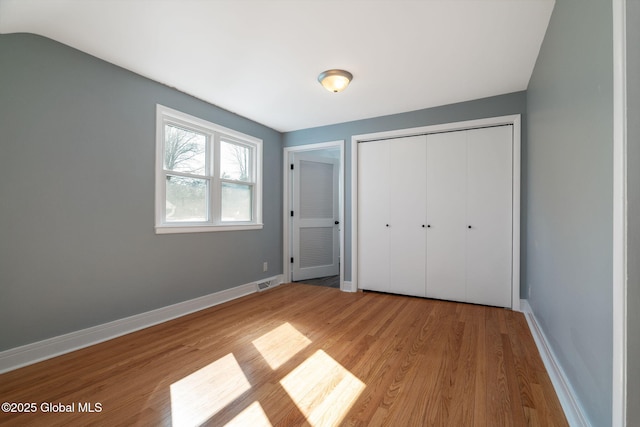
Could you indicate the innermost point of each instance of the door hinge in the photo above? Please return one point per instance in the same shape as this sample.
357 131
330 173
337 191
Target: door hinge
291 213
291 166
291 260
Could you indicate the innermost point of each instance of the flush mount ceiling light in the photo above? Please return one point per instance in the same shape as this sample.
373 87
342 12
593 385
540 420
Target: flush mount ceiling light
335 80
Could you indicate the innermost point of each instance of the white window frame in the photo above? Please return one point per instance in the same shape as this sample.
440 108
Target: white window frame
214 134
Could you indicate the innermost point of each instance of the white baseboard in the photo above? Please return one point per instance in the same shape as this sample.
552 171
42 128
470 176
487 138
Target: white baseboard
46 349
347 286
569 401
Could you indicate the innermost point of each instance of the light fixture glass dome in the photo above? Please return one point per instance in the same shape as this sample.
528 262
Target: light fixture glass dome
335 80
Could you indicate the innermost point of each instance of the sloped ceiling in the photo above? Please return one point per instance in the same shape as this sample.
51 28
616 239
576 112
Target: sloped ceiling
261 58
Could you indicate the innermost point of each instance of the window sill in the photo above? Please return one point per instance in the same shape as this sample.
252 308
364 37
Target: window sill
175 229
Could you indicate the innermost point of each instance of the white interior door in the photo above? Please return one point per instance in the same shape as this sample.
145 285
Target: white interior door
373 216
407 205
489 212
316 245
446 215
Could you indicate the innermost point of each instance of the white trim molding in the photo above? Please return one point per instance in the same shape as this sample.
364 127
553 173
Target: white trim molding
574 412
347 286
46 349
288 197
619 374
211 175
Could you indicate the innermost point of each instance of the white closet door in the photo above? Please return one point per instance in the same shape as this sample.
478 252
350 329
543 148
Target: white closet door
373 216
446 215
407 205
489 210
316 245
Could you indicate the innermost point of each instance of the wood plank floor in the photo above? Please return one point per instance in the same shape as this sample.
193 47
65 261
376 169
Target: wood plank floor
302 355
330 281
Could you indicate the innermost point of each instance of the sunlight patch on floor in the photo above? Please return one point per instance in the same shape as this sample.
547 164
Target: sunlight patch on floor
199 396
253 416
280 344
323 390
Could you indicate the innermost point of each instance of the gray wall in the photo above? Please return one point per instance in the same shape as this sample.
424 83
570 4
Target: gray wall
514 103
77 240
569 197
633 212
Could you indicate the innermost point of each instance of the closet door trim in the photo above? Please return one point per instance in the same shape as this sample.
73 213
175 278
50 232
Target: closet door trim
514 120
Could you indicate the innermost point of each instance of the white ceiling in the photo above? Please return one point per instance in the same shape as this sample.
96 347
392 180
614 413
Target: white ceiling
261 58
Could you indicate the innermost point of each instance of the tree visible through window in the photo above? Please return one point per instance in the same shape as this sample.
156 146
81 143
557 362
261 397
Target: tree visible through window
186 194
235 160
209 176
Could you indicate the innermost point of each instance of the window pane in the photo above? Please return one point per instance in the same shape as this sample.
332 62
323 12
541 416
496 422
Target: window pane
235 161
236 202
186 199
184 150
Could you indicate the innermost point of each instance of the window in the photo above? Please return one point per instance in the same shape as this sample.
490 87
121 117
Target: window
208 178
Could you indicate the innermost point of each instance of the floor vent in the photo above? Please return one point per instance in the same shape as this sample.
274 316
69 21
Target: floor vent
264 285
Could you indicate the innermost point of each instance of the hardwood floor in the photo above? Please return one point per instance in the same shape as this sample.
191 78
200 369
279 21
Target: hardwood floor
302 355
330 281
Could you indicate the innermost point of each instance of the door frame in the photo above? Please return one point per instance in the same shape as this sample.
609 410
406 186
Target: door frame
298 223
514 120
287 203
620 394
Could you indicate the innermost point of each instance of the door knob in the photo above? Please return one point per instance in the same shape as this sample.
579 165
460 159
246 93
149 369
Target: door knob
336 222
469 226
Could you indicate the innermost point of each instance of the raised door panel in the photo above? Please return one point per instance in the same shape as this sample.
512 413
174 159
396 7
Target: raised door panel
489 210
407 205
373 216
446 216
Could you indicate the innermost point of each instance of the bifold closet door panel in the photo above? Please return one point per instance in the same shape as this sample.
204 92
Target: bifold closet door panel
407 205
489 207
435 215
373 216
446 215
